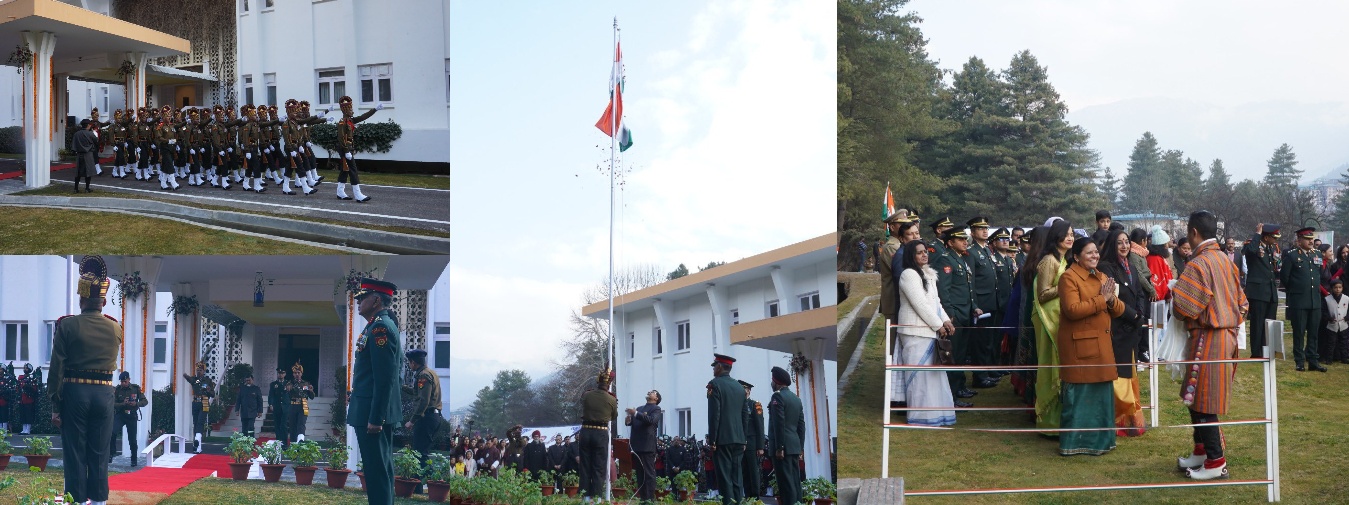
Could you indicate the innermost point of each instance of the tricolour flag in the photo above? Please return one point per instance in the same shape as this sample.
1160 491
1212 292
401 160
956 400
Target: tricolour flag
888 203
613 113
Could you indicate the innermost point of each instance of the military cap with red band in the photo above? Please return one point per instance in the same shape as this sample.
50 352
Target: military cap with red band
369 286
722 359
1307 233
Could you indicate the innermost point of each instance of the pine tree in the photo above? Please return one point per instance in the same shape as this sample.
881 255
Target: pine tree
1282 167
1143 179
1339 212
1109 188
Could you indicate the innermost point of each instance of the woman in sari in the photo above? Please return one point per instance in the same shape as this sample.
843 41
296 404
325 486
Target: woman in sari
1088 302
921 323
1049 266
1125 331
1023 381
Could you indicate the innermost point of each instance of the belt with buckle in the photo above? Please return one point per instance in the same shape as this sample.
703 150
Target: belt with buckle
77 380
595 426
94 375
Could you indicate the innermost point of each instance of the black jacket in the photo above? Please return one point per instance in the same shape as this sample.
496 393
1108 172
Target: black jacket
250 401
1128 329
645 422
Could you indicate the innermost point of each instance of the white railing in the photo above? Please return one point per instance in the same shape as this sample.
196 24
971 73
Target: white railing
149 451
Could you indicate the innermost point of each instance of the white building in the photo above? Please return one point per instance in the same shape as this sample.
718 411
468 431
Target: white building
305 314
761 310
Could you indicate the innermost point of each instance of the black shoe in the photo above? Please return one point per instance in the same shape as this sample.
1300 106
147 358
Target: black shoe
134 463
963 404
986 383
1318 367
196 446
899 405
966 393
1301 368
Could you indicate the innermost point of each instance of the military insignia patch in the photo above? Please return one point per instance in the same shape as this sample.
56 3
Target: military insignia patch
421 383
381 340
360 343
946 269
709 390
758 408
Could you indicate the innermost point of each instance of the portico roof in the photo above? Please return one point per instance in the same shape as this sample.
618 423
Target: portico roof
407 271
82 32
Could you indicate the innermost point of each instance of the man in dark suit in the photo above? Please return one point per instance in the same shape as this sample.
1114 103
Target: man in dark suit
1262 268
375 388
249 404
645 422
786 436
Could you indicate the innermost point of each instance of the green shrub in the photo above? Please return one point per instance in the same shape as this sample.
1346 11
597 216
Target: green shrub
162 414
11 140
242 447
39 446
370 137
407 463
337 456
304 453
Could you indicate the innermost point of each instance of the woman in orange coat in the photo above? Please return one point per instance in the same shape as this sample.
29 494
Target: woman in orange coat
1088 301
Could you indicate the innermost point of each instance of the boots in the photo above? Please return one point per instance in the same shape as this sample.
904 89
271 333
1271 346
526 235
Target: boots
1213 469
1194 460
299 438
173 181
196 444
98 169
27 429
87 189
248 184
314 176
356 190
285 188
342 191
163 182
303 183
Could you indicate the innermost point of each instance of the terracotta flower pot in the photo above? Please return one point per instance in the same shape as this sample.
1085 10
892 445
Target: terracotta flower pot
39 461
337 477
571 491
403 488
683 495
620 492
437 490
4 460
304 475
239 471
272 473
824 501
547 490
361 475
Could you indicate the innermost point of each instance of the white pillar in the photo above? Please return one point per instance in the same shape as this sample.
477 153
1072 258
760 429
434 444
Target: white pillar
135 82
354 325
37 120
782 285
186 352
138 334
812 388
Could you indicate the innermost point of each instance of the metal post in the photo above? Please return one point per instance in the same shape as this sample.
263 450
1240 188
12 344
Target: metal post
1273 401
885 431
613 355
1154 340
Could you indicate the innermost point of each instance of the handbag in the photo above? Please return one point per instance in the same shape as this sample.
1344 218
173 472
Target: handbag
943 352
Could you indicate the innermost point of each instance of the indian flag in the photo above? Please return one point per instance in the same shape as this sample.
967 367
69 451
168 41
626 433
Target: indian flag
887 203
613 113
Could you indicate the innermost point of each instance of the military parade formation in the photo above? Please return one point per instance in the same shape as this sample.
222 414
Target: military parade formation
220 147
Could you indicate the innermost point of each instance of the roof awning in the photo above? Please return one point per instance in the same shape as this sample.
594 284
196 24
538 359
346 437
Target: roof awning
156 74
84 33
778 333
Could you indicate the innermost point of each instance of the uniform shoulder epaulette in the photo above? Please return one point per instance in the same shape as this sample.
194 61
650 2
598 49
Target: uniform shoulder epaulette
758 408
58 320
110 317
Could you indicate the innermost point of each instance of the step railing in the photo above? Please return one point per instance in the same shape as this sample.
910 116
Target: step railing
149 451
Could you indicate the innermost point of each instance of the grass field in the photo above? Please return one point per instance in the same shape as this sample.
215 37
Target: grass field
1312 436
403 180
59 231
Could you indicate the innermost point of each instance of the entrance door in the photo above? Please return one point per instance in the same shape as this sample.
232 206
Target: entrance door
303 345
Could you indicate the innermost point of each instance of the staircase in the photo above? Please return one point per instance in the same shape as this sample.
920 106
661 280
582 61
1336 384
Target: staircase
320 413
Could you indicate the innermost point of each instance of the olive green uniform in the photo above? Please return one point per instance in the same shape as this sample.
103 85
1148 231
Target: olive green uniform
1301 277
203 389
1262 272
726 431
425 415
127 400
984 266
375 385
301 391
84 354
787 433
957 299
598 409
754 442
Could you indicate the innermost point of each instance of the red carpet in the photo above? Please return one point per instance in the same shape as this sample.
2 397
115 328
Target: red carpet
19 173
217 462
157 480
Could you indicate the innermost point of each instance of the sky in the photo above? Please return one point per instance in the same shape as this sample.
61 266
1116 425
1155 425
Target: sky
1234 67
732 109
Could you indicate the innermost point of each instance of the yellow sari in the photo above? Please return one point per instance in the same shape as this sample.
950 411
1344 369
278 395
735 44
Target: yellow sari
1048 405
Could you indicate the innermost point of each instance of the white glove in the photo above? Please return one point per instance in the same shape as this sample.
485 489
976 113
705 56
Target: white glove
248 156
178 148
114 149
284 117
330 108
379 106
231 149
138 150
292 154
310 144
95 133
222 153
173 141
348 155
154 146
191 151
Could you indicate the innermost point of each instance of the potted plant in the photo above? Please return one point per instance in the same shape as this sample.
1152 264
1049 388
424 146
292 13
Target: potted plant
547 482
360 473
438 472
407 470
662 486
242 449
686 483
337 466
271 453
624 485
304 454
820 489
460 488
6 450
38 452
571 483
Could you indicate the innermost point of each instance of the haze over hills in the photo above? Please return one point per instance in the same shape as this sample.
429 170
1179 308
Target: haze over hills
1243 136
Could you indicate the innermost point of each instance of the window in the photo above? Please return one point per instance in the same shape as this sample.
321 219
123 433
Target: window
16 341
245 9
683 341
376 78
632 345
442 348
161 327
269 3
735 317
51 332
332 85
685 422
656 347
447 79
105 100
810 300
248 89
270 80
773 308
161 350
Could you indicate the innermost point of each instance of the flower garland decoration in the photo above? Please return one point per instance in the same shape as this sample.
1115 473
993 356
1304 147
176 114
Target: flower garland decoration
352 281
22 57
800 365
183 305
130 286
126 69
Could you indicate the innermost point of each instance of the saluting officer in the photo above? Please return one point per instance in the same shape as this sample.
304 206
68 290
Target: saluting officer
726 428
954 287
375 386
786 435
203 389
84 354
984 272
599 407
1261 254
301 391
128 399
277 401
425 416
754 442
1301 277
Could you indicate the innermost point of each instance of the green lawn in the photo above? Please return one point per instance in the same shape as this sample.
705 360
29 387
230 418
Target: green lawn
404 180
60 231
1311 434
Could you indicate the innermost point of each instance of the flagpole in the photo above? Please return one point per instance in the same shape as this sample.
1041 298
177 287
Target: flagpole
613 362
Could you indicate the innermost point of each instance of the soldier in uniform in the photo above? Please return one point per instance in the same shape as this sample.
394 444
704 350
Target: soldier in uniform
376 382
425 417
957 299
346 147
1004 255
300 391
84 353
939 228
786 436
203 389
984 265
30 389
1262 269
250 141
306 143
143 137
645 422
294 162
599 407
166 144
118 130
99 125
128 400
1300 273
726 428
277 401
754 443
249 403
85 143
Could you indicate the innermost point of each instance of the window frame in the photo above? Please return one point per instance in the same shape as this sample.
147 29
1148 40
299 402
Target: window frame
632 345
371 73
685 416
772 309
269 83
439 337
247 80
657 342
331 83
684 336
808 301
735 317
51 335
22 348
